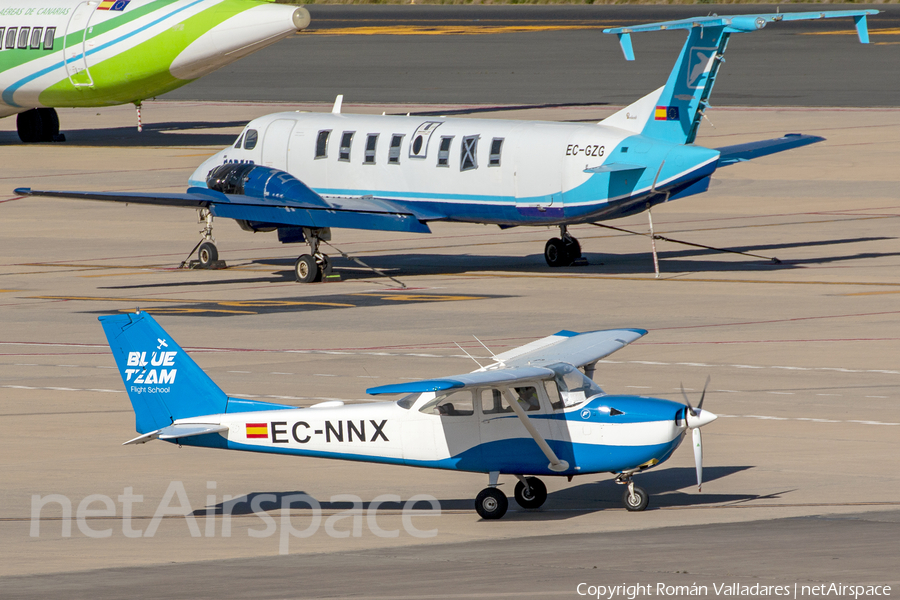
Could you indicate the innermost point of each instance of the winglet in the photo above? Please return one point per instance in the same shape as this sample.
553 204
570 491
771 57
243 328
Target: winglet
22 191
625 42
336 109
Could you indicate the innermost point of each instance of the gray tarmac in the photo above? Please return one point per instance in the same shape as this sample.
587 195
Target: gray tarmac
556 54
800 485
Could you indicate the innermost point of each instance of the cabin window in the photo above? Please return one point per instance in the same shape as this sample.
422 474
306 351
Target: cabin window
346 140
494 401
467 159
49 37
444 152
454 404
36 34
553 393
371 142
240 139
322 143
2 31
250 139
11 37
23 37
496 146
394 153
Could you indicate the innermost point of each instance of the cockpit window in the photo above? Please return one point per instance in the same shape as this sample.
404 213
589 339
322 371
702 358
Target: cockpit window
322 143
239 141
454 404
494 401
250 139
574 387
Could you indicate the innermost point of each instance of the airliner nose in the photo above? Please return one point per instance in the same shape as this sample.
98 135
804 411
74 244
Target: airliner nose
242 32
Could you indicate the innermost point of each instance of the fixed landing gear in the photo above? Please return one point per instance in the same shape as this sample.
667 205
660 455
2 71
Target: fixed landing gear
530 492
314 266
39 125
562 251
635 498
491 503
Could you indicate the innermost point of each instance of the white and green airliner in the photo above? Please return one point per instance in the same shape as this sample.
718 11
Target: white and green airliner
74 53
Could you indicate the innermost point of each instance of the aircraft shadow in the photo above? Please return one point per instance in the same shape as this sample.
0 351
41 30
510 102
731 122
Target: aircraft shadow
665 488
170 134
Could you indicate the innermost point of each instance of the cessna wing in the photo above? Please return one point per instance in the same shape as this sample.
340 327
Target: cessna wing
578 349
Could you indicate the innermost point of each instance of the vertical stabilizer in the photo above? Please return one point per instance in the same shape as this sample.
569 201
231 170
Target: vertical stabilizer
162 381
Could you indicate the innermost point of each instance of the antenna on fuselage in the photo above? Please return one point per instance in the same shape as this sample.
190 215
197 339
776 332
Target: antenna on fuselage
494 356
469 355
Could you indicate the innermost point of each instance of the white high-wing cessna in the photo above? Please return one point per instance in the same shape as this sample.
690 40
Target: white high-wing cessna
301 174
535 411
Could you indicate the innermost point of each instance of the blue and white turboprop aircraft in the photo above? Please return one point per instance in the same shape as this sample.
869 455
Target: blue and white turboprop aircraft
535 411
302 174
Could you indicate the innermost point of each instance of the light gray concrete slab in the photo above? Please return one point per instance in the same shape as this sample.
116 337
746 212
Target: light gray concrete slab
802 357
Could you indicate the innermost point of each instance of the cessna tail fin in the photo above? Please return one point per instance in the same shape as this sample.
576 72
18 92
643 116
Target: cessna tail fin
679 106
162 381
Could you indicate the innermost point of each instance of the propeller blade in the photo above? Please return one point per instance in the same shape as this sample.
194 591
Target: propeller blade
698 457
703 395
688 402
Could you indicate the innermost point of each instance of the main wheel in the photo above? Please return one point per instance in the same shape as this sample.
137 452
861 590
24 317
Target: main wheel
573 249
208 254
49 124
533 496
491 503
29 126
306 269
325 267
638 502
555 253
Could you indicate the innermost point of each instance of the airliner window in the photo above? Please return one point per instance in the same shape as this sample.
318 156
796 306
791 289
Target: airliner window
322 143
2 30
371 141
444 152
23 37
36 34
496 146
250 139
240 140
49 36
11 38
394 153
346 140
467 159
454 404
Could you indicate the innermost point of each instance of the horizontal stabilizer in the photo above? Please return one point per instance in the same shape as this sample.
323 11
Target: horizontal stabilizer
730 155
176 431
615 167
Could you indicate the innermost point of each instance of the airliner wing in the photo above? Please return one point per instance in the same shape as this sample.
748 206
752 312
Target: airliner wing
309 210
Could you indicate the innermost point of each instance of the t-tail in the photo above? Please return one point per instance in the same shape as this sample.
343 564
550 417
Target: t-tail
163 383
673 112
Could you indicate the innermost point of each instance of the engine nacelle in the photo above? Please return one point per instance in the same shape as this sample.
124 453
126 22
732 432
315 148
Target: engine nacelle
255 227
262 182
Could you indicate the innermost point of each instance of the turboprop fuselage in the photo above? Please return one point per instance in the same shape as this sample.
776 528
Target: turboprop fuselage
472 170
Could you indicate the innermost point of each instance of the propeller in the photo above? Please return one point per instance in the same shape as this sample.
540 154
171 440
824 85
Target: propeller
695 418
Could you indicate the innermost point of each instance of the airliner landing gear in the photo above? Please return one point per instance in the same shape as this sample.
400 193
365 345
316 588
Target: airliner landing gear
39 125
635 498
530 492
562 251
314 266
207 253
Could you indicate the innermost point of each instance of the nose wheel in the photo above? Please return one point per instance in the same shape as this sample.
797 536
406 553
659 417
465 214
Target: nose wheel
635 498
562 251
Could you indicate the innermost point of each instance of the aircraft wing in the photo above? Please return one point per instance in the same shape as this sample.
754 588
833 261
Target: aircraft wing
305 210
577 349
479 378
730 155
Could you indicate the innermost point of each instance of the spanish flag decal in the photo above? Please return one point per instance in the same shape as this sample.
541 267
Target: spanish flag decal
257 430
118 5
666 113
